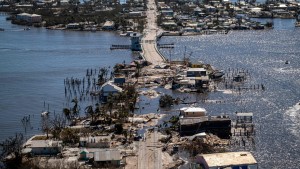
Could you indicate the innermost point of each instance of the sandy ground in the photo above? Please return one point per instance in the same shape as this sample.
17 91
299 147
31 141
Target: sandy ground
149 154
131 162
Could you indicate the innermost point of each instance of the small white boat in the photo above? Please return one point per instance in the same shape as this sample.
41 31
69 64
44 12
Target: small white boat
217 74
128 33
45 113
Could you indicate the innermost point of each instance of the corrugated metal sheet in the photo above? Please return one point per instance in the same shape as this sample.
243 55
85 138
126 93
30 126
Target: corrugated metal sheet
107 155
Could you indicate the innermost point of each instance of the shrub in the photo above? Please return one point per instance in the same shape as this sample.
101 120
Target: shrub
166 101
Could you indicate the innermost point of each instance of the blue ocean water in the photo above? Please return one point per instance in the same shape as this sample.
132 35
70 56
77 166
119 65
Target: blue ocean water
34 64
264 54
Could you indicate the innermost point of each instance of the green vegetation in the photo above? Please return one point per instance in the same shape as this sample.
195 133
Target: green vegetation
166 101
69 136
70 114
39 138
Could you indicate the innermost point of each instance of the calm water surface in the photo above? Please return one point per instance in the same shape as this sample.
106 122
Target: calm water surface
276 110
34 64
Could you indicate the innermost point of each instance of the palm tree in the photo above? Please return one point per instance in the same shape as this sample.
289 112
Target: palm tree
131 107
102 77
90 112
133 101
138 70
75 109
110 103
123 113
67 112
71 113
97 110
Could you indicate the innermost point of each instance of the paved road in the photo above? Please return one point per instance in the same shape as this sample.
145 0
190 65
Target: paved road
149 38
157 151
149 155
141 155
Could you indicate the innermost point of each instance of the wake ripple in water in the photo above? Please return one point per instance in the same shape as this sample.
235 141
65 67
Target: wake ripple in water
287 70
293 114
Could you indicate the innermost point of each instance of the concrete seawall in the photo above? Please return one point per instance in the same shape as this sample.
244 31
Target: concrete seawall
161 55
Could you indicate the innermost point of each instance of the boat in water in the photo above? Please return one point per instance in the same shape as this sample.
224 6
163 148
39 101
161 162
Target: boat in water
1 29
46 112
128 33
239 77
217 74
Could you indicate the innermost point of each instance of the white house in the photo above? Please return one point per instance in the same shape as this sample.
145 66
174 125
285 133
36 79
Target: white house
230 160
192 111
95 142
43 147
110 88
31 18
108 25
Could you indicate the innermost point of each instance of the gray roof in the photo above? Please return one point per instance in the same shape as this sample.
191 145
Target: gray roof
43 143
107 155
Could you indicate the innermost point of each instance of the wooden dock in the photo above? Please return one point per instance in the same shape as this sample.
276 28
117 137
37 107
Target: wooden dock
167 45
113 47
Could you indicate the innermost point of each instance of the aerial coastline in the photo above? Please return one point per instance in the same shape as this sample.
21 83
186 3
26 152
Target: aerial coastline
193 18
114 122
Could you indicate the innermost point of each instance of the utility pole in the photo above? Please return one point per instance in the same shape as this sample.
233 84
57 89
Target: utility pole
184 53
170 56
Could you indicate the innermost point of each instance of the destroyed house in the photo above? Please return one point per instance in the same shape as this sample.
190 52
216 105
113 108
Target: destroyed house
95 141
43 147
217 125
199 76
196 72
107 158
